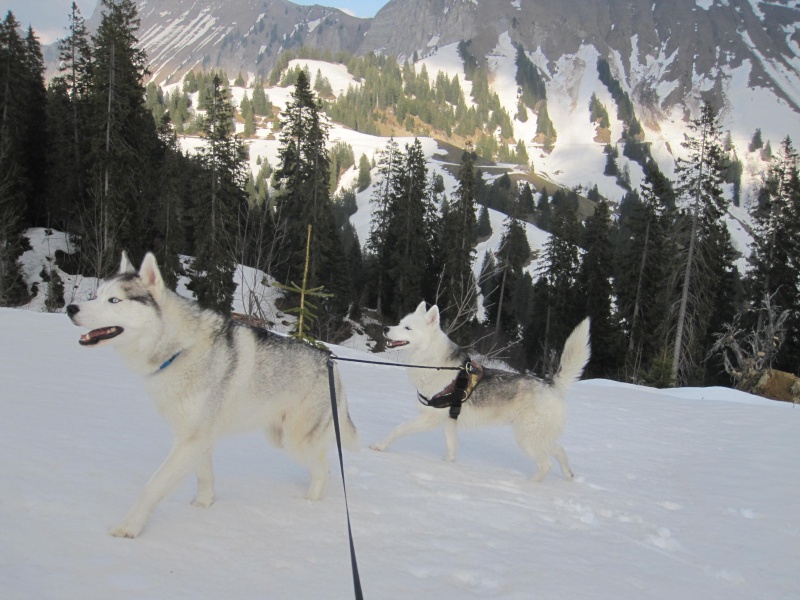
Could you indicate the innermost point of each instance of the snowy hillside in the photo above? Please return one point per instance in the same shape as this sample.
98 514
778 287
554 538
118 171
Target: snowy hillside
689 493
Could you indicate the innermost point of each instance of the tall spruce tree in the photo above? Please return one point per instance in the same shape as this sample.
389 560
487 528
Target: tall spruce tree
409 251
382 200
643 256
302 198
457 299
595 282
512 255
35 142
68 96
220 199
16 191
121 137
705 263
775 256
556 293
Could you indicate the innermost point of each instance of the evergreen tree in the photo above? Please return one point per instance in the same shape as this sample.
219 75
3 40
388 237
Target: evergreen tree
595 281
756 143
706 261
261 104
364 178
35 142
121 140
248 116
18 107
170 207
484 227
459 239
512 255
543 211
409 253
219 201
302 198
775 255
642 262
382 200
67 115
556 293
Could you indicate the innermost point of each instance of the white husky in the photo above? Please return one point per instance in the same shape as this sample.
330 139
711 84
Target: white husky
534 408
211 377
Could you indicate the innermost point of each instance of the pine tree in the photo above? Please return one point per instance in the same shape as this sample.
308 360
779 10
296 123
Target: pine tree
595 282
68 96
364 178
19 71
249 117
35 142
756 143
641 276
775 253
382 200
512 255
484 227
706 261
556 293
219 201
121 140
170 210
459 238
302 198
409 253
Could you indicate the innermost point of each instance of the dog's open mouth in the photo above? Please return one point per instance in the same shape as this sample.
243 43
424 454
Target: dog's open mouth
395 343
95 336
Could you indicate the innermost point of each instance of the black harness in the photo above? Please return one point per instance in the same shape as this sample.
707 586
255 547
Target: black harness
457 392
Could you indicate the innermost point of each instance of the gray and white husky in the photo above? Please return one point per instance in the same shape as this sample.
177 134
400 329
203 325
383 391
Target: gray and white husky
210 377
533 407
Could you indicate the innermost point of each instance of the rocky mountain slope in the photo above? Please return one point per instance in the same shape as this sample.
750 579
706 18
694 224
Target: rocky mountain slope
668 52
667 55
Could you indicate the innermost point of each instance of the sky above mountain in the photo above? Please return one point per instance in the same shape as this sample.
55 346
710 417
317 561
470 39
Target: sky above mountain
49 18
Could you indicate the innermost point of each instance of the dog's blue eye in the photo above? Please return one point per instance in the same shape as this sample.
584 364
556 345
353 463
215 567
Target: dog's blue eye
114 300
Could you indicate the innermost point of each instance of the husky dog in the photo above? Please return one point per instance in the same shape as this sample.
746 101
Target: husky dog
210 377
534 408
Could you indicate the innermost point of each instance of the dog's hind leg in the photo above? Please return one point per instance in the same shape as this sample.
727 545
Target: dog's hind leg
205 481
450 439
563 462
183 457
318 467
423 422
529 443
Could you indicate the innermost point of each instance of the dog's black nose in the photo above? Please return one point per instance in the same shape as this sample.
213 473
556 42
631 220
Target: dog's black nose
73 310
385 330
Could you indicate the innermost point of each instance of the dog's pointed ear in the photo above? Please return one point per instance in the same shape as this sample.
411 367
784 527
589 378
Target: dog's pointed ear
432 316
149 272
422 308
125 265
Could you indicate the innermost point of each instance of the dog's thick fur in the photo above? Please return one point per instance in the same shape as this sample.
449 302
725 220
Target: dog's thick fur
534 408
210 377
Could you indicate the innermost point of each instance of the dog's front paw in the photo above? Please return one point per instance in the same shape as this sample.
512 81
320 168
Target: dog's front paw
125 531
202 502
378 447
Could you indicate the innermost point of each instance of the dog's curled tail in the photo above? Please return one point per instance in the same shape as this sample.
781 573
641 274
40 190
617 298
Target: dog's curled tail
574 358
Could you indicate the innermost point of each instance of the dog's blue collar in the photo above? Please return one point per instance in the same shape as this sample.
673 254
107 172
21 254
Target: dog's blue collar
168 362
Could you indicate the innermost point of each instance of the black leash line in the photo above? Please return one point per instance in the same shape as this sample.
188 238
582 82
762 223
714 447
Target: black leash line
354 564
392 364
332 386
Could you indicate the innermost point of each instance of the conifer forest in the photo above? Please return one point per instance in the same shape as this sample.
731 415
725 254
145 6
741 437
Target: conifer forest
94 152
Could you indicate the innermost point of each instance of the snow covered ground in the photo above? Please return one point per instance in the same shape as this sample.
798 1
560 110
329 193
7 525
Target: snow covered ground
691 493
